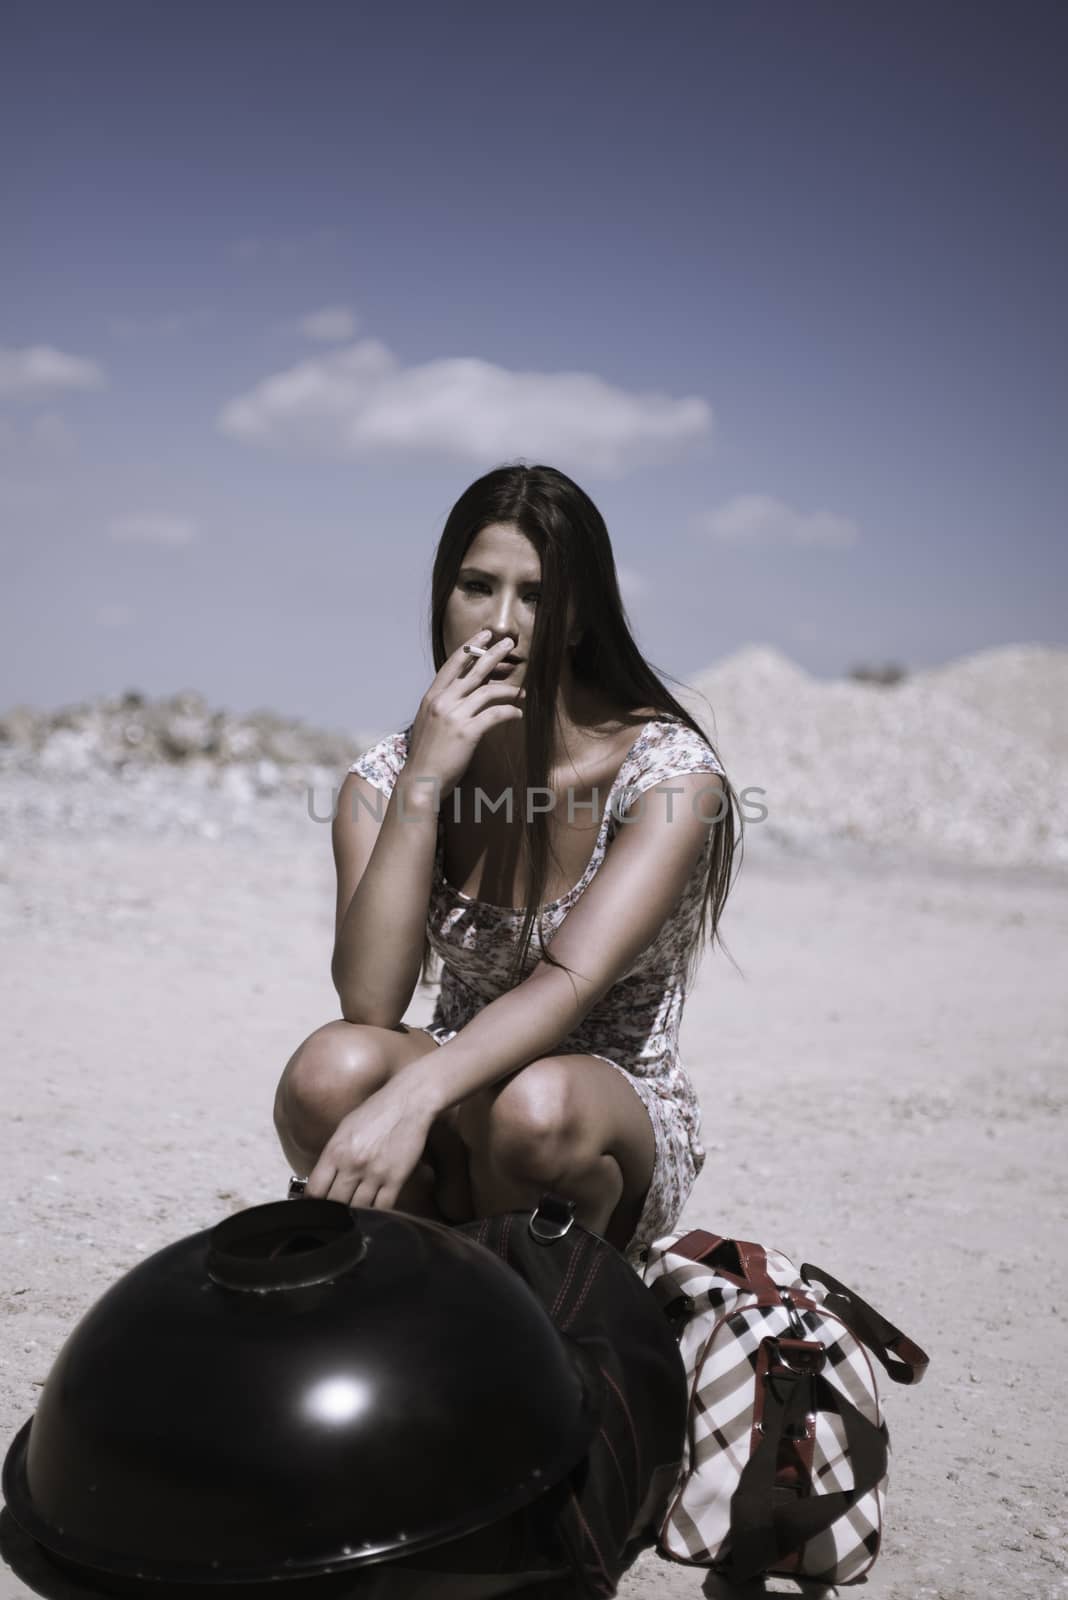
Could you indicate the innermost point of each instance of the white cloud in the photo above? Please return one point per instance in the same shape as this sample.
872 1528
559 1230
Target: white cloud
359 401
154 527
331 325
760 519
40 367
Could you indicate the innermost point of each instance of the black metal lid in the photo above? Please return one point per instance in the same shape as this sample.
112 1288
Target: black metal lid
302 1388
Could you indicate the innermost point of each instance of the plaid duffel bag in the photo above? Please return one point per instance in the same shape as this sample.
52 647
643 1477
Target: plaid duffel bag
786 1456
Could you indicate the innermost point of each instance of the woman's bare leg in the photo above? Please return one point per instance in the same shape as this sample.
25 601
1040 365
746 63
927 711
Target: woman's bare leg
332 1072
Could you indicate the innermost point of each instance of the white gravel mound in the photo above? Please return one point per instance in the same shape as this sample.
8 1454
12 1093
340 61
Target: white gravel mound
964 762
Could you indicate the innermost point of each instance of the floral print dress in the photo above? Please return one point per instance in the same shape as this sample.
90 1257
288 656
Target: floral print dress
634 1027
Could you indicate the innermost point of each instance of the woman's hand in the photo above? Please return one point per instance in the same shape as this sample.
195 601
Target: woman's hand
374 1150
462 703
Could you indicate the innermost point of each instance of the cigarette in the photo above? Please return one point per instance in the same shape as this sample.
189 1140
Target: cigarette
476 649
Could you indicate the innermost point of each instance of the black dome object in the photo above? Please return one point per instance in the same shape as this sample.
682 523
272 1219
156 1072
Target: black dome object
303 1388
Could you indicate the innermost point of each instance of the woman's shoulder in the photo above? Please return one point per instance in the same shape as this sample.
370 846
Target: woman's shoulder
381 762
667 747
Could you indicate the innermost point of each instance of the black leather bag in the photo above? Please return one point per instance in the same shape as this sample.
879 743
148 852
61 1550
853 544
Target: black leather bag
598 1519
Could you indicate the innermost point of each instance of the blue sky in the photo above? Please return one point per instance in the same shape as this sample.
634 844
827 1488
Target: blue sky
780 284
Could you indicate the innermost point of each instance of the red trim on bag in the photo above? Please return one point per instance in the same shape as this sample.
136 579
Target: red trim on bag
587 1530
622 1477
572 1267
630 1422
691 1444
595 1267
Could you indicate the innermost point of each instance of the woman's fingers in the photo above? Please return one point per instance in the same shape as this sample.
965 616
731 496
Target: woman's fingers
333 1188
461 660
353 1189
320 1179
478 676
473 669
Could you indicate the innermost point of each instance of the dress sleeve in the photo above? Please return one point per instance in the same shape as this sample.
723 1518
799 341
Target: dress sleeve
382 763
676 751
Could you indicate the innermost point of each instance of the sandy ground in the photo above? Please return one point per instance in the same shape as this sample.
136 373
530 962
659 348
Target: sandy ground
883 1094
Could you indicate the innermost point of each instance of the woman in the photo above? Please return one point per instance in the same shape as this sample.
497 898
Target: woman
541 1068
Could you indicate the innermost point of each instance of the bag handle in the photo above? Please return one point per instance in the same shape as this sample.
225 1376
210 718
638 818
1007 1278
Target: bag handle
698 1245
903 1360
762 1531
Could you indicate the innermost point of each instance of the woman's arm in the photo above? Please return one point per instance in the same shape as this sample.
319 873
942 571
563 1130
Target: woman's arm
384 871
635 890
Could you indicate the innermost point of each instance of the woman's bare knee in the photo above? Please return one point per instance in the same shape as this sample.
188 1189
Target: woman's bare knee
333 1071
330 1073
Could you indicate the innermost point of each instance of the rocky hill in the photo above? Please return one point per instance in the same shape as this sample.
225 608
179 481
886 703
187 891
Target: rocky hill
965 762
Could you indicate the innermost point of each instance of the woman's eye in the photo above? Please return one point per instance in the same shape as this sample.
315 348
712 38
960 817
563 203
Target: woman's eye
473 583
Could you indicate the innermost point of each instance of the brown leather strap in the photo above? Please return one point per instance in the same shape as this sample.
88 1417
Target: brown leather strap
763 1531
903 1360
755 1264
698 1245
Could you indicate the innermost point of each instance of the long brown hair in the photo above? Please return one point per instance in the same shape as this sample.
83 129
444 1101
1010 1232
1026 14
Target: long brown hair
571 539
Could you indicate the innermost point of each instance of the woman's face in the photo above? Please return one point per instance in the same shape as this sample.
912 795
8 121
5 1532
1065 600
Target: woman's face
497 587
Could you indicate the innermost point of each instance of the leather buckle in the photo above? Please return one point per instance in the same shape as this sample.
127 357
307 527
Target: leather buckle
791 1359
551 1218
795 1358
